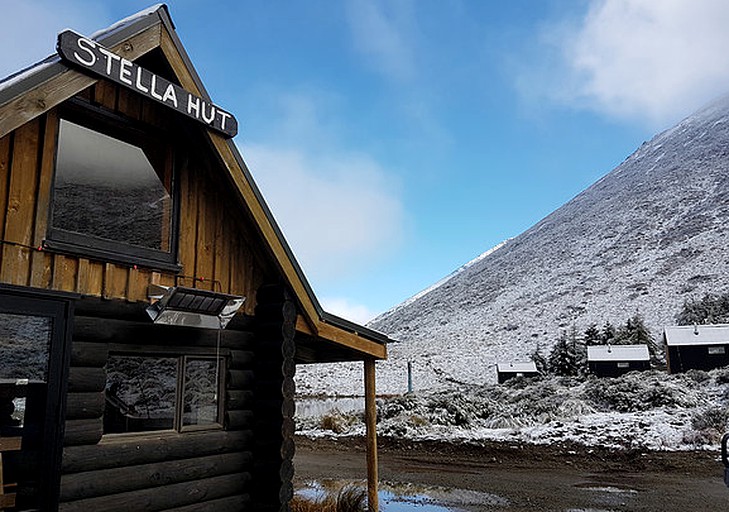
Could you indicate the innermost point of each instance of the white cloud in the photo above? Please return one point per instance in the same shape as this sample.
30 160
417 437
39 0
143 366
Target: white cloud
339 212
346 309
654 61
380 32
28 28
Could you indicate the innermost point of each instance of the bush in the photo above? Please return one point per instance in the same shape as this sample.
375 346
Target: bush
337 422
349 498
636 392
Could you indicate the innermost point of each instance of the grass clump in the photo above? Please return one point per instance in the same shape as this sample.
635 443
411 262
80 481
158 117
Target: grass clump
349 498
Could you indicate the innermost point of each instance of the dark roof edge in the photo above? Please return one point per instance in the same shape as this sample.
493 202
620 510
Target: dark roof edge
42 71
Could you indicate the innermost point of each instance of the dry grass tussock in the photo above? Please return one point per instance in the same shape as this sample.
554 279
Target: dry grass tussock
349 498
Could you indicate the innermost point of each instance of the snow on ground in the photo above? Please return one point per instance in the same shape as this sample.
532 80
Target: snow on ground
646 411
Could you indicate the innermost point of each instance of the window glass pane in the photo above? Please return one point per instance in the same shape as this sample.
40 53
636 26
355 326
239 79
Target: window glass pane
24 358
108 188
140 393
200 400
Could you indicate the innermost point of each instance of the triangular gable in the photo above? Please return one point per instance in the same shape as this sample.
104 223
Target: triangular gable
34 91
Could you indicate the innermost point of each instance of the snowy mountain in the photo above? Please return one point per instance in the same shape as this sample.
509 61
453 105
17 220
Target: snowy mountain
644 238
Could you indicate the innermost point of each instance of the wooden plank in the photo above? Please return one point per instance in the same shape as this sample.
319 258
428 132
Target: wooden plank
371 432
87 405
130 103
65 272
90 277
351 340
41 266
154 447
228 504
163 497
188 218
83 379
221 267
126 478
115 281
5 161
68 83
93 355
21 205
7 500
138 285
205 244
105 94
83 432
10 444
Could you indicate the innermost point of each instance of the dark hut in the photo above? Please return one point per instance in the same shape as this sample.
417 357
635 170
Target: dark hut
615 360
698 347
506 371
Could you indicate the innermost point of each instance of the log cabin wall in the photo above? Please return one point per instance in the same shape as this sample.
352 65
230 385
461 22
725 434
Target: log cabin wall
213 243
207 469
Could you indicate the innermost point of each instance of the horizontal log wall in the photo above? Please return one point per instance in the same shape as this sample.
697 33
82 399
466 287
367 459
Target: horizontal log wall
206 470
217 240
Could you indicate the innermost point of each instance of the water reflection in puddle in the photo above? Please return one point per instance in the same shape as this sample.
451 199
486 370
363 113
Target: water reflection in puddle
401 497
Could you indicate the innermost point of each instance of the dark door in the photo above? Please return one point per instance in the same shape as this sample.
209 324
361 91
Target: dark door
33 373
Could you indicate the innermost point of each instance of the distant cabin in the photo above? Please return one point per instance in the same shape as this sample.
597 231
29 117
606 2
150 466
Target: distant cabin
506 371
699 347
615 360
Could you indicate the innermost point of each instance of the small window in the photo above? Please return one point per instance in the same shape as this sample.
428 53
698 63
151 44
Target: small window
149 393
716 351
113 192
623 365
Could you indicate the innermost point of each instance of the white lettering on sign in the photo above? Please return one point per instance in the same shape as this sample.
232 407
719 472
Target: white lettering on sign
90 55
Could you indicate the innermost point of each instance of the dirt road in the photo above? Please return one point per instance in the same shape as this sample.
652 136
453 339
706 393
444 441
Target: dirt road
530 478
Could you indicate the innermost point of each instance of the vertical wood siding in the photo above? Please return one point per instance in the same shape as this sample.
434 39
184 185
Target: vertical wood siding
216 237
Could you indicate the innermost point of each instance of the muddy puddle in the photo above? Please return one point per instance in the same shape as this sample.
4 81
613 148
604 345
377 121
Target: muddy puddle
404 497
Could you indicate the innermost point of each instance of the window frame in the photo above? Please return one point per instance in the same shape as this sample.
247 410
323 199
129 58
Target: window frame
83 113
177 420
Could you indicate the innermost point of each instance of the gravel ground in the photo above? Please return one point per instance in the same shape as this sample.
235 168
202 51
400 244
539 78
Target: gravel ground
513 477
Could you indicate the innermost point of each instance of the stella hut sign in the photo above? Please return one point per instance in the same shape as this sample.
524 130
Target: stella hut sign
88 54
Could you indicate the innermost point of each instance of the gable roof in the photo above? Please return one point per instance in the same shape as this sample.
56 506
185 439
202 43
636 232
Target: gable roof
530 367
716 334
44 85
618 353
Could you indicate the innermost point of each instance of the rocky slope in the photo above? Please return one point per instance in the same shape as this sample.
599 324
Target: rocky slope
647 236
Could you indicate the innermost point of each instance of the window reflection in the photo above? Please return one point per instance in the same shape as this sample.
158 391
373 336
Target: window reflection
200 395
110 189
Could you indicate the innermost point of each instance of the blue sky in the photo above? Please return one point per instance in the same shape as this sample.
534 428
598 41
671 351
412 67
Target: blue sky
396 140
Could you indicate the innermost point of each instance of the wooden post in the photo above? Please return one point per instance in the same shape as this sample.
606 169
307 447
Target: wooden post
371 425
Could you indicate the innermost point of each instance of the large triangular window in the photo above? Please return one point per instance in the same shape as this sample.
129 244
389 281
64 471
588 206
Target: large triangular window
113 195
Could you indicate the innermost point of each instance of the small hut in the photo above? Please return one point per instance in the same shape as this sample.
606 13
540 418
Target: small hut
151 313
615 360
699 347
506 371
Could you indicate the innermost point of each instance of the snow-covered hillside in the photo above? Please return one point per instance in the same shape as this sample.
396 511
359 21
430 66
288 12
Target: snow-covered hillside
644 238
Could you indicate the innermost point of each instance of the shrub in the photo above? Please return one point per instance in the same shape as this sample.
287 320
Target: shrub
349 498
336 421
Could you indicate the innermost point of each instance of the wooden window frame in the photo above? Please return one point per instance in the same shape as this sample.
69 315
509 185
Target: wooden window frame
182 358
113 125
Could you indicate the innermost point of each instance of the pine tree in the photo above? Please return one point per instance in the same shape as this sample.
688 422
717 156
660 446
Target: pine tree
565 359
608 334
710 309
539 360
592 335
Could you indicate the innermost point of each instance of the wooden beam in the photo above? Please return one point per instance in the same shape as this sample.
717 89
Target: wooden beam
352 340
371 427
68 83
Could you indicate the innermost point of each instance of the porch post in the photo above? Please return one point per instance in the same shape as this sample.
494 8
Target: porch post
371 426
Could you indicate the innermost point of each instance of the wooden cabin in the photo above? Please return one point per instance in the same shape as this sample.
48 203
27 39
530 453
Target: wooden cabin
616 360
698 347
506 371
132 232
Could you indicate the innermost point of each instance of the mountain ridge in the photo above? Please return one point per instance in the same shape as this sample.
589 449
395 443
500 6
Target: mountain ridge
642 239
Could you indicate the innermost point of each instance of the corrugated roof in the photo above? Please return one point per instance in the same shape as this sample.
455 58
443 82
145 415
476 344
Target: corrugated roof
516 367
716 334
618 353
